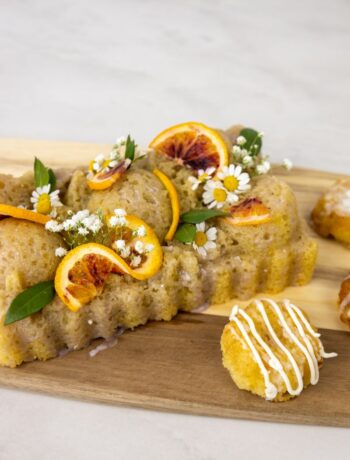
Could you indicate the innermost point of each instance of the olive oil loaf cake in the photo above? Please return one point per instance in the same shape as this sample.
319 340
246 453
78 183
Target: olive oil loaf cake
140 234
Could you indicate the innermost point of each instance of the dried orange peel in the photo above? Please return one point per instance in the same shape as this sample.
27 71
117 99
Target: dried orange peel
81 275
152 260
251 211
192 144
105 179
25 214
174 200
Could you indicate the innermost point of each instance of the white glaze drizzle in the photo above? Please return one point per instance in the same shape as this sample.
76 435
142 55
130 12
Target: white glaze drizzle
307 348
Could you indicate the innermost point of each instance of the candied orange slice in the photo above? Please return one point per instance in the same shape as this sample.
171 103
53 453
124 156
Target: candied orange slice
7 210
251 211
105 179
81 275
151 257
192 144
174 200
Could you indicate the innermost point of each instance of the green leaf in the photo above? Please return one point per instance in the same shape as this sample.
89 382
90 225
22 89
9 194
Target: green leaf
52 180
30 301
130 148
41 174
254 141
185 233
196 216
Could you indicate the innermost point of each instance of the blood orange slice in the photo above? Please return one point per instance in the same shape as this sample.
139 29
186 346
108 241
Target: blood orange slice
174 200
106 178
136 242
20 213
82 273
251 211
192 144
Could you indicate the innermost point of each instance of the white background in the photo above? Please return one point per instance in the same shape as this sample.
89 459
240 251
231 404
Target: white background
95 70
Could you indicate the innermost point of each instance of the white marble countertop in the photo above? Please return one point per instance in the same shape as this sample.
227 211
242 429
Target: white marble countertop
92 71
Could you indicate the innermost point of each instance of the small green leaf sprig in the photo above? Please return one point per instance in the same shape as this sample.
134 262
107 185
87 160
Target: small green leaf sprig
186 231
30 301
43 175
248 153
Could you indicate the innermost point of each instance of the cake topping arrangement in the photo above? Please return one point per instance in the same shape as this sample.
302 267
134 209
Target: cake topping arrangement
283 346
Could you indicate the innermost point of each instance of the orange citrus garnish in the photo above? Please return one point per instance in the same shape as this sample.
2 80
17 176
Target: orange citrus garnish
81 275
192 144
105 179
21 213
152 255
251 211
174 200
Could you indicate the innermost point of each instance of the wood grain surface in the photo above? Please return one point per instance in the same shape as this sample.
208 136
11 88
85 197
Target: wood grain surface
176 366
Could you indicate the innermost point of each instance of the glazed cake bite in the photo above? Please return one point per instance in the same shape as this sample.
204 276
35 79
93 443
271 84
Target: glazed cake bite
139 234
271 349
331 215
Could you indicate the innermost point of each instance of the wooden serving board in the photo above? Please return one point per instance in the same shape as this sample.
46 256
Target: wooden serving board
177 366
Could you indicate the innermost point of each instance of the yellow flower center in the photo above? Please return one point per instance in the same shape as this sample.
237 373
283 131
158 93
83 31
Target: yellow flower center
219 195
203 177
200 238
231 183
105 164
44 204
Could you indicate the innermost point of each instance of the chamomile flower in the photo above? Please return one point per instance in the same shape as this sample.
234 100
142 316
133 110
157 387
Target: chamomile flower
203 176
216 195
45 202
234 180
60 252
204 239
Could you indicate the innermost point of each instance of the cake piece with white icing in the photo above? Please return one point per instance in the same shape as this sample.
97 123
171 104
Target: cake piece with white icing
271 349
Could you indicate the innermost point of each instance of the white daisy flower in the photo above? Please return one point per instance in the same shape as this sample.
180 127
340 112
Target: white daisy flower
241 140
60 252
203 176
204 239
53 226
287 164
43 201
120 141
216 195
233 179
263 168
